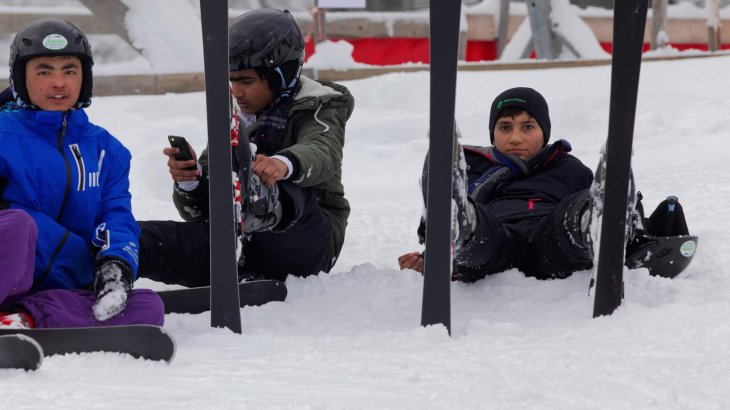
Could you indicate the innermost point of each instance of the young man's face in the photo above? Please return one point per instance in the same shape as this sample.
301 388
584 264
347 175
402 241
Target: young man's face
54 83
520 135
251 91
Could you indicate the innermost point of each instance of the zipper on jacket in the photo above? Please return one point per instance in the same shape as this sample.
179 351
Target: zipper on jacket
80 166
47 270
61 135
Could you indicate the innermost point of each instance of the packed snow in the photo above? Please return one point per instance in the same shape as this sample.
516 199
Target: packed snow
352 338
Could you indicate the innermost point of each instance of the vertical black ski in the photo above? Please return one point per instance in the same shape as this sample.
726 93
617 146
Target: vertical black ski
224 308
444 42
20 352
629 21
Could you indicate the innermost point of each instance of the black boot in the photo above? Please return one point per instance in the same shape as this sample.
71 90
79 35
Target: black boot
591 218
464 219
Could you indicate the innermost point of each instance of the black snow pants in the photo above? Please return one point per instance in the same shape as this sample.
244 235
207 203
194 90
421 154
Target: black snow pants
546 247
179 252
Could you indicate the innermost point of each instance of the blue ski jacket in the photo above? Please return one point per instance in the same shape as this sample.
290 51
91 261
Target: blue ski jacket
72 177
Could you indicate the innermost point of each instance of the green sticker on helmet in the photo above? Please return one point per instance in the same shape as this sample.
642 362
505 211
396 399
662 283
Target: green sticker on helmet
688 248
55 42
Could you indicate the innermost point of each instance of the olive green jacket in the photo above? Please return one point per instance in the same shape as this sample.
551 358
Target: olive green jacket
314 137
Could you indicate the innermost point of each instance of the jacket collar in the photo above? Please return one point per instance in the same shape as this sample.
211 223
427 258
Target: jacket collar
40 120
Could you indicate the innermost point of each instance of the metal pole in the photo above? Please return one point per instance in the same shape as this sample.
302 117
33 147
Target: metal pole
502 26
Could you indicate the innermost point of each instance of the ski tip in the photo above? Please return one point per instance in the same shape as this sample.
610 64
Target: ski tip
38 347
23 339
163 348
282 288
172 347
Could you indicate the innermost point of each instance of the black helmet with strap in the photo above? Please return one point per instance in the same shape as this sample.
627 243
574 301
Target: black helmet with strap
268 38
49 37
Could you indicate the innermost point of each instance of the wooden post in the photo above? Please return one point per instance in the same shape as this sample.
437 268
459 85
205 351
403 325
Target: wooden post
545 42
713 25
502 26
659 37
319 23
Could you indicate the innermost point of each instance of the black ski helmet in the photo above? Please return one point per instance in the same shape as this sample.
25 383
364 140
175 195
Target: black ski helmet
268 38
49 37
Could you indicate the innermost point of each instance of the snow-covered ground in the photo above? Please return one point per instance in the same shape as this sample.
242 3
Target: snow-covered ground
352 338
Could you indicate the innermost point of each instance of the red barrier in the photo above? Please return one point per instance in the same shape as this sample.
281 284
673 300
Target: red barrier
394 51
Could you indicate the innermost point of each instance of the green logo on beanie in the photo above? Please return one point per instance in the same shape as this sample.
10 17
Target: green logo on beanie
55 42
510 100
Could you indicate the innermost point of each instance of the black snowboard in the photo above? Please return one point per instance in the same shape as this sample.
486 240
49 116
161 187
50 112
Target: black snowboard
197 300
223 268
444 17
140 341
20 352
629 21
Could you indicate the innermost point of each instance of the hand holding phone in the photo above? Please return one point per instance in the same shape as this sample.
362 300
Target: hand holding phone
184 155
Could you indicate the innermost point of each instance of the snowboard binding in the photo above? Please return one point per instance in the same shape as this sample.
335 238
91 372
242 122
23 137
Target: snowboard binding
661 243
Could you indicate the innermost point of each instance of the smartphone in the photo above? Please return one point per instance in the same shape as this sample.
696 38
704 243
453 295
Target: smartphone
184 154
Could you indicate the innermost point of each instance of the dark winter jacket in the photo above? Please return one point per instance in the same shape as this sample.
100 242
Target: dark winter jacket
71 176
521 213
314 139
549 177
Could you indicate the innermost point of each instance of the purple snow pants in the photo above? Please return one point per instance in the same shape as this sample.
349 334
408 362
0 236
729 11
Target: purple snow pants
56 307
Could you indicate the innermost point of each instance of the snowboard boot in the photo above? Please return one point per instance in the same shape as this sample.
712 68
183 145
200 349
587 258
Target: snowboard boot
16 320
591 218
463 213
464 218
261 209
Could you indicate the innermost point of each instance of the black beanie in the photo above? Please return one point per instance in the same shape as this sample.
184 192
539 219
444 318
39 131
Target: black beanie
527 99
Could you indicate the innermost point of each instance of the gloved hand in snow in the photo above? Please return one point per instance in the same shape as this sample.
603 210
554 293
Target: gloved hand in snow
112 285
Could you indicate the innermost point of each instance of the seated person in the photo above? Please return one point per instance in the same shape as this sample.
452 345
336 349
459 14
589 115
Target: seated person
69 247
526 204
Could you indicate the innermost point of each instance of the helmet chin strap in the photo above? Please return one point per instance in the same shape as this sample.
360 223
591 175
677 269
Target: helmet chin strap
286 89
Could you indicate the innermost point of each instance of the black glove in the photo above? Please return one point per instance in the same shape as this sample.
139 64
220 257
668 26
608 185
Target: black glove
112 285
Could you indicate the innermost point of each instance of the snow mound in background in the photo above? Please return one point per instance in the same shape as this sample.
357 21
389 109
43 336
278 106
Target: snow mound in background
180 49
335 55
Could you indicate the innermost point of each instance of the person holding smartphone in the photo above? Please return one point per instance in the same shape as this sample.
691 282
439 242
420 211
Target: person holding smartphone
68 239
297 126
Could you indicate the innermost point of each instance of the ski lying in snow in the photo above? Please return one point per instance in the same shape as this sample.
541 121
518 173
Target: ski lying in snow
197 300
629 21
20 352
140 341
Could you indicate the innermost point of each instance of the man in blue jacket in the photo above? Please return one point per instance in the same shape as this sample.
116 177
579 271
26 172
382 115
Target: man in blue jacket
68 239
